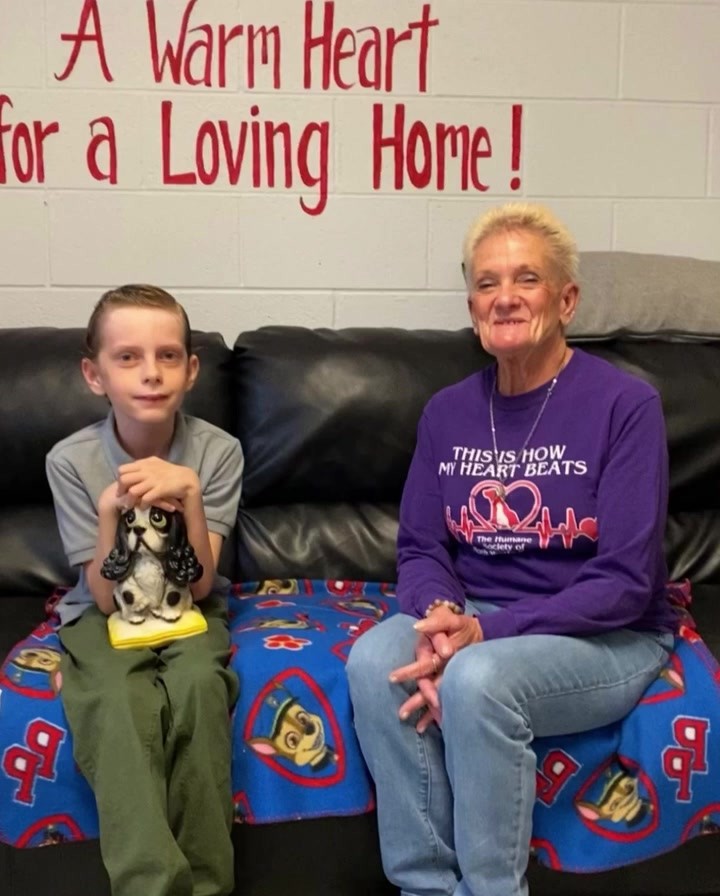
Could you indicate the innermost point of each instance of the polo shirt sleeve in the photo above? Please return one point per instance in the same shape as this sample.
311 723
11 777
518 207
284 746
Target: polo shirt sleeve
74 509
221 494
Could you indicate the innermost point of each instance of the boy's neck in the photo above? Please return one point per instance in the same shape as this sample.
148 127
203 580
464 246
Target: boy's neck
140 440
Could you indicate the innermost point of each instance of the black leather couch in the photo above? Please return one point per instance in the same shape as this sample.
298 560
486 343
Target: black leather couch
327 420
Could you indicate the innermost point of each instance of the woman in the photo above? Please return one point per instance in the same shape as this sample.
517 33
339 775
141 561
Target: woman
531 573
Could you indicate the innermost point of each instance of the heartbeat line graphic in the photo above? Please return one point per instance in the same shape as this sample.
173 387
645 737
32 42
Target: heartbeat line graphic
466 527
568 530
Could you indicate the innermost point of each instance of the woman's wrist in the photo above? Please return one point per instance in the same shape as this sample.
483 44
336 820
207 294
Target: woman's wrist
450 604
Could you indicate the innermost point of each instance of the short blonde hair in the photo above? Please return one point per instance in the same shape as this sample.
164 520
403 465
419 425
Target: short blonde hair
524 216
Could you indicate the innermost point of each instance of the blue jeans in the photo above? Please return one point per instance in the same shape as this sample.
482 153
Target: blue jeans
455 806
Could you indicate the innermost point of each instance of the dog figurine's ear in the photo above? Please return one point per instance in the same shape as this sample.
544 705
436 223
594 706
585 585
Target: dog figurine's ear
118 563
180 563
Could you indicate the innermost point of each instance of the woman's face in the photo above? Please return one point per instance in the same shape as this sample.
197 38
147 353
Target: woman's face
519 304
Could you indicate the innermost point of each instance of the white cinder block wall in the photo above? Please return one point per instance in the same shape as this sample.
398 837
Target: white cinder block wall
617 127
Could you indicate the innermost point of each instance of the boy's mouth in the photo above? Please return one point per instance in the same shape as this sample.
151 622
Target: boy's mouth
151 399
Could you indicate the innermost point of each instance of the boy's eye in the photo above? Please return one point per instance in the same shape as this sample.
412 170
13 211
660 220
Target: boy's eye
125 357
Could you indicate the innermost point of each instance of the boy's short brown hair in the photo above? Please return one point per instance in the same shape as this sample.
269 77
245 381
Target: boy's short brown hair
133 295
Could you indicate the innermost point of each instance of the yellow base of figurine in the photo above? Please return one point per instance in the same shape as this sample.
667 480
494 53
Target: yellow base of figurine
154 632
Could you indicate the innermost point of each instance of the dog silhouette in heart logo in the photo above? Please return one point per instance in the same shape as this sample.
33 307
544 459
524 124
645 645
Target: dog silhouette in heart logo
502 512
292 728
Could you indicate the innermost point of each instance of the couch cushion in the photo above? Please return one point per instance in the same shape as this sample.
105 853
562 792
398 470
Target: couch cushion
330 415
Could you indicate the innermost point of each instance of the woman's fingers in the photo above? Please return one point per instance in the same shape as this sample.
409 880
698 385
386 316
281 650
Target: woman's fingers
428 688
429 664
425 696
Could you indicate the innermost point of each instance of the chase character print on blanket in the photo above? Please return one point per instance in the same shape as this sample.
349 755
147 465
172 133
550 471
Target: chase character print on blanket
295 733
605 798
624 805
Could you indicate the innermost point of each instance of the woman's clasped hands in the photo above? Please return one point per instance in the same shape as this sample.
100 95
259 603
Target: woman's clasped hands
440 636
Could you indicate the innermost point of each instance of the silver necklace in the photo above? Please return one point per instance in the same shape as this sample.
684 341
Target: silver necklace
502 491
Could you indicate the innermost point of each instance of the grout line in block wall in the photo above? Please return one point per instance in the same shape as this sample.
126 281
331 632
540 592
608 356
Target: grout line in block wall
46 48
335 171
379 196
239 240
709 173
427 242
613 225
621 50
165 92
48 238
221 291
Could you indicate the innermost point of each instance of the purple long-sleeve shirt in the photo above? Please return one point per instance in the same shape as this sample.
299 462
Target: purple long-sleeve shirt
575 545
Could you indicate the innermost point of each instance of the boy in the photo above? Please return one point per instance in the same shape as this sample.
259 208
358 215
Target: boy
150 726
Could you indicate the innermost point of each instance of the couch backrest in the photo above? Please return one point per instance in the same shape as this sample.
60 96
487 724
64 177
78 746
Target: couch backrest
327 420
328 423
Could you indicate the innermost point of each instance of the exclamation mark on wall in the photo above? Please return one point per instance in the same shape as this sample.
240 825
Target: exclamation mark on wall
516 144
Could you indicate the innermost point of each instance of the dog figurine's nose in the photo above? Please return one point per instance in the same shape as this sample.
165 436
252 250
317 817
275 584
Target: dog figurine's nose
138 530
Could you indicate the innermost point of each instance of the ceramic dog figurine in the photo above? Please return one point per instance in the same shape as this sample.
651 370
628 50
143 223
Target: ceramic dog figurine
153 564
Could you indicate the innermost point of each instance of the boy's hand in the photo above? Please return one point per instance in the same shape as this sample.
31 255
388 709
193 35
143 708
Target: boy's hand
113 500
155 481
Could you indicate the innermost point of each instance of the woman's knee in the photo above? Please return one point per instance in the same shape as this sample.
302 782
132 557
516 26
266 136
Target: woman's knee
379 650
475 675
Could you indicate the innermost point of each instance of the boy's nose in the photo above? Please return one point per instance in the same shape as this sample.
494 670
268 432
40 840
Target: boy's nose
151 371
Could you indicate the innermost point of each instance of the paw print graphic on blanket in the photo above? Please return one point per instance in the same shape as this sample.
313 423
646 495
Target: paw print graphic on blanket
295 754
605 798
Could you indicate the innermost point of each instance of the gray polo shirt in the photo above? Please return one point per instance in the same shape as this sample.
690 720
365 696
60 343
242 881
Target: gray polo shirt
81 466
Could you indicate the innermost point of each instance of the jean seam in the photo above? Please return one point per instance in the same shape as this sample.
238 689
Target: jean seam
425 793
600 686
434 844
519 803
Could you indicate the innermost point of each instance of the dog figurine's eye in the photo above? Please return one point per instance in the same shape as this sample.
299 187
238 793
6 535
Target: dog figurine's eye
130 517
159 519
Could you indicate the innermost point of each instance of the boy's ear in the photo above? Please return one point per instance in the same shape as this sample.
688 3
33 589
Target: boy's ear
92 376
193 370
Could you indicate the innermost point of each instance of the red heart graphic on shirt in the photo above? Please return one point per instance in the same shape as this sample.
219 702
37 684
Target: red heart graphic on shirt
502 515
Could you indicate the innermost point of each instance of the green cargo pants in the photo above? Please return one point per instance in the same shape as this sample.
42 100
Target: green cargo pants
152 736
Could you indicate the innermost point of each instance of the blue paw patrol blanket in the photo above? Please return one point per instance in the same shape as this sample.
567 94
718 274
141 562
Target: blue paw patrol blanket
604 798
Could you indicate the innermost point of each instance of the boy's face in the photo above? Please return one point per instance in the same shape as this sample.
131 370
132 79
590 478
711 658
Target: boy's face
142 366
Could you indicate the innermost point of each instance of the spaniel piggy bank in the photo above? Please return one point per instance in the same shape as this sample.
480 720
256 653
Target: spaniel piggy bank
153 564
